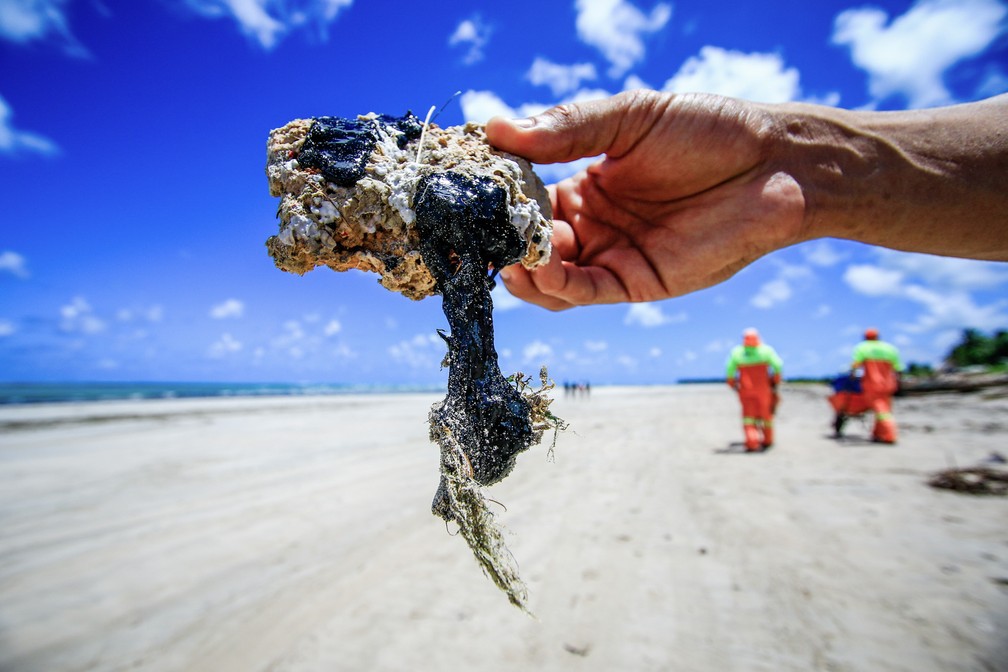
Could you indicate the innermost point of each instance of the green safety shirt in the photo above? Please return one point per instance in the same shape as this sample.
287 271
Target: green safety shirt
880 361
753 365
877 351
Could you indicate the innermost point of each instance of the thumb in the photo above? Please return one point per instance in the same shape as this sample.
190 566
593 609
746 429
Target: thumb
578 130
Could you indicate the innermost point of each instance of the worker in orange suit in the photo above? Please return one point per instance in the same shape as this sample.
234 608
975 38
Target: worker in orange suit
881 364
754 371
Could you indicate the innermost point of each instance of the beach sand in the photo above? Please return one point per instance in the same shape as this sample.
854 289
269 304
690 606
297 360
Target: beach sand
296 534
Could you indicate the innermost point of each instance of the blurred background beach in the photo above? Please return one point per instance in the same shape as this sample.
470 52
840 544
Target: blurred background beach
294 533
207 464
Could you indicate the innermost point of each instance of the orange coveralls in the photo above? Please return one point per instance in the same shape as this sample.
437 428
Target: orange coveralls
880 362
758 370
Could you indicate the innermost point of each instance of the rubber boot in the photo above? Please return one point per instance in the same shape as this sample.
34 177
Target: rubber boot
885 431
768 435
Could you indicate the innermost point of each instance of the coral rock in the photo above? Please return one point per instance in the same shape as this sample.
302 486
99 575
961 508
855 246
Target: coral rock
357 211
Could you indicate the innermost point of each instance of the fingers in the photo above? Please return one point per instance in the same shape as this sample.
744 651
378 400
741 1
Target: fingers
578 130
564 241
519 283
560 285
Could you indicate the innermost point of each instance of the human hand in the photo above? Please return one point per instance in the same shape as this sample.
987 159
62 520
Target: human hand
687 194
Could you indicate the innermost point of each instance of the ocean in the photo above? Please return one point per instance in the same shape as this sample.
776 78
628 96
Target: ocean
35 393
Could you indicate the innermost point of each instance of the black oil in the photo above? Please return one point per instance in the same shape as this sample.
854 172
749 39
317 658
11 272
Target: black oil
465 215
340 148
464 230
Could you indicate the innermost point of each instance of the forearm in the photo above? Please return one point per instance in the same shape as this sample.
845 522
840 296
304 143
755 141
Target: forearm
931 181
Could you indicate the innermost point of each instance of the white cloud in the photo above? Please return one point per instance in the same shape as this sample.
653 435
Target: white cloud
780 289
685 357
479 106
940 285
536 352
225 345
7 328
657 352
873 280
945 340
555 172
754 76
293 341
910 56
947 271
344 351
650 315
822 311
627 362
292 331
771 293
474 34
720 345
616 28
107 363
792 271
13 263
78 317
268 21
582 95
332 328
24 21
596 346
995 82
821 253
560 79
634 82
503 299
154 313
954 309
14 141
229 308
423 351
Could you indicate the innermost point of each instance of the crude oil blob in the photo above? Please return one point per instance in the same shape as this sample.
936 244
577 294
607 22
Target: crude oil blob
340 148
464 229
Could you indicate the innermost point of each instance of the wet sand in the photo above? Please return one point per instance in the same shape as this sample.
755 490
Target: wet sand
295 534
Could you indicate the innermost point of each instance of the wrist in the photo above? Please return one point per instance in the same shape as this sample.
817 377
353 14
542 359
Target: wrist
832 159
899 179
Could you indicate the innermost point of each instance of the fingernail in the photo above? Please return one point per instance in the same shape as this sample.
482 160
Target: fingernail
526 122
504 274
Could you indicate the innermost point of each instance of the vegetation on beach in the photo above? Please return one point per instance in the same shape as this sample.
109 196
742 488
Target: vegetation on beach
976 349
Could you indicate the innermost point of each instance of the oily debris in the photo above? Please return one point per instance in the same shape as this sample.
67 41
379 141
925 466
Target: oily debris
432 211
460 498
972 481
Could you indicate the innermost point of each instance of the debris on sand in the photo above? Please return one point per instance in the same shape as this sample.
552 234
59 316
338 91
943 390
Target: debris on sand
972 481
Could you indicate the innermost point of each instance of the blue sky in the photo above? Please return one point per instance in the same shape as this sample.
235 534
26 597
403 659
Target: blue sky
135 204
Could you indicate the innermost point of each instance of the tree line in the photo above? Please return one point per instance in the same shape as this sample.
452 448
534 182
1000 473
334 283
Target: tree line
974 349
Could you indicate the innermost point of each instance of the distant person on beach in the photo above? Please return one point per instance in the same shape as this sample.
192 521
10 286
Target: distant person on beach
754 371
881 364
692 188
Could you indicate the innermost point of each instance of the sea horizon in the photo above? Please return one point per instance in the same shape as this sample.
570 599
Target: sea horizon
40 392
